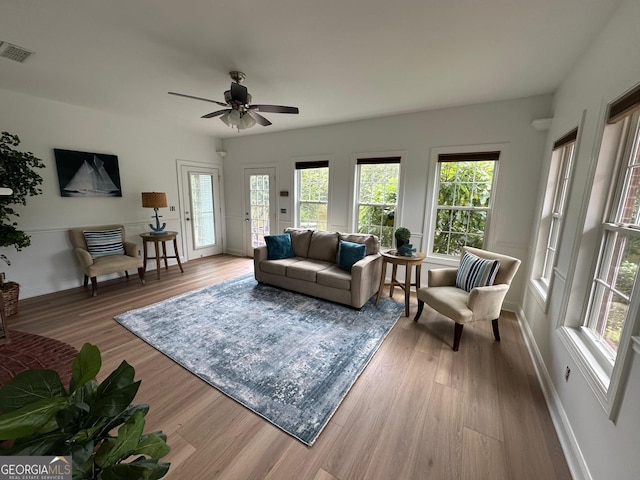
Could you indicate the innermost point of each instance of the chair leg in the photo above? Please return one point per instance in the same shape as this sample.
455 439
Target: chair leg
94 287
141 275
86 281
457 333
126 274
419 312
496 330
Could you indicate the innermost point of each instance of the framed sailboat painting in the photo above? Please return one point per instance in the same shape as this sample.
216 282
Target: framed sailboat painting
85 174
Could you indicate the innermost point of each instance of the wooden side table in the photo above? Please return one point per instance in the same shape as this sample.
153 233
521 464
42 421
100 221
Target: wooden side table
156 240
408 262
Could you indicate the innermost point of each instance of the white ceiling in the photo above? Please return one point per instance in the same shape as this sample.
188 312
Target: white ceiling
337 60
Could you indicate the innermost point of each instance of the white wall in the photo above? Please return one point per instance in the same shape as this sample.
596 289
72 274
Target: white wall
413 135
596 447
147 155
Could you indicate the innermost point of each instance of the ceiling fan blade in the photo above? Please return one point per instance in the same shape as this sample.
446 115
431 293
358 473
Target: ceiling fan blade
275 109
239 93
259 118
216 113
198 98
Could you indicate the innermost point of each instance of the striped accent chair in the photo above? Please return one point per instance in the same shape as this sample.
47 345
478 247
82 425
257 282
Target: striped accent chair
471 292
103 250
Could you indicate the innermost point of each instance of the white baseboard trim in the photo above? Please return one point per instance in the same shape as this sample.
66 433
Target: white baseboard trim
575 460
237 253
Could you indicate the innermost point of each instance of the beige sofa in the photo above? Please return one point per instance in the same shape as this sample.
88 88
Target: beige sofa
314 270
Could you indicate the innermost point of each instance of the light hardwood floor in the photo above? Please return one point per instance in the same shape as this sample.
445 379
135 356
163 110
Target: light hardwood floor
418 411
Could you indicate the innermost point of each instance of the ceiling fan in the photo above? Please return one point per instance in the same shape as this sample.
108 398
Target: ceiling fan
241 114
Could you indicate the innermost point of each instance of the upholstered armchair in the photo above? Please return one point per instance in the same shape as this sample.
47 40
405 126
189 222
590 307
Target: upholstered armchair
103 250
472 292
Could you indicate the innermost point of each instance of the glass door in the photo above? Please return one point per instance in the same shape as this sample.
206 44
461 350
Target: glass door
201 200
260 215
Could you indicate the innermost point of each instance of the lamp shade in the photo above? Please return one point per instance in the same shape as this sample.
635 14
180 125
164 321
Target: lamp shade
154 199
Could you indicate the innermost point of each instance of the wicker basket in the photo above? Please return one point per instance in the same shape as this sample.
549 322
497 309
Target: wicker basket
9 292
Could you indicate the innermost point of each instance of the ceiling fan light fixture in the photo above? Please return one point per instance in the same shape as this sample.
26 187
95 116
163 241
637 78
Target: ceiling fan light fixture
225 118
247 121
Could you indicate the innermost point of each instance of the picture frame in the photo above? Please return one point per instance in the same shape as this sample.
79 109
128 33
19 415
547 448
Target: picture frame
87 174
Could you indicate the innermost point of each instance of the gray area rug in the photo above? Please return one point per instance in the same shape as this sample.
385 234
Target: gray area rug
287 357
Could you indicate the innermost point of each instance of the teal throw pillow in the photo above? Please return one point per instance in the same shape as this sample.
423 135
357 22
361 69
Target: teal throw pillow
279 246
349 253
476 272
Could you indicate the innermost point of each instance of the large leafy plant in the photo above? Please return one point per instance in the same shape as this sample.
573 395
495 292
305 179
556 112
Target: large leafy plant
17 173
40 417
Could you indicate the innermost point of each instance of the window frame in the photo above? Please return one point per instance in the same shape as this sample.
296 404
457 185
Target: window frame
431 206
559 182
372 159
606 380
305 164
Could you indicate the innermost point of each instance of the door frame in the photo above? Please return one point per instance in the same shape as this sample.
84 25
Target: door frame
182 206
245 199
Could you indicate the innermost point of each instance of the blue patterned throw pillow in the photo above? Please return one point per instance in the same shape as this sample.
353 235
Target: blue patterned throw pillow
476 272
104 242
279 246
349 253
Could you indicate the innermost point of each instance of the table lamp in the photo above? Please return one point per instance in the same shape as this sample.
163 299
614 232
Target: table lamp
155 200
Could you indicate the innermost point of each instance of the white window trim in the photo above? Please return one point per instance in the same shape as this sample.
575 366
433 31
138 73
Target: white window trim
294 182
353 185
541 288
432 200
608 388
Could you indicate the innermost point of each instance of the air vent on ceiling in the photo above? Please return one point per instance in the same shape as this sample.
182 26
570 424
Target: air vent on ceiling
14 52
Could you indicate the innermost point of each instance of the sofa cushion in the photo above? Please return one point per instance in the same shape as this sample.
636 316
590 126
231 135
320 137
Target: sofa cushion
334 277
279 246
307 269
350 253
476 272
371 241
324 246
278 267
101 243
300 238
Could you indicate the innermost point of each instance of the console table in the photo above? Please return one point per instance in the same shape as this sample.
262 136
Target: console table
157 240
408 262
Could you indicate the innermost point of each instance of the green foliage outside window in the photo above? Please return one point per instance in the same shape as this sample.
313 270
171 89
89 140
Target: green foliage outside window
377 200
463 203
313 197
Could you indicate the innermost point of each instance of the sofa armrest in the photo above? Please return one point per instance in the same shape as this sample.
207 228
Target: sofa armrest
130 249
259 255
442 277
486 302
365 278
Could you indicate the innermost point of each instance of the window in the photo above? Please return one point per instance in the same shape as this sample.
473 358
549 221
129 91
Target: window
600 314
377 196
551 225
612 291
464 186
312 194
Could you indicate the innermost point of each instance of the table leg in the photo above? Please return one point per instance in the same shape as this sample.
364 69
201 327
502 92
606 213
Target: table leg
175 249
164 255
407 289
392 285
157 247
144 249
382 277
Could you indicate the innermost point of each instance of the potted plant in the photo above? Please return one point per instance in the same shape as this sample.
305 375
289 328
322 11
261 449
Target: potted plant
40 417
17 173
403 235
